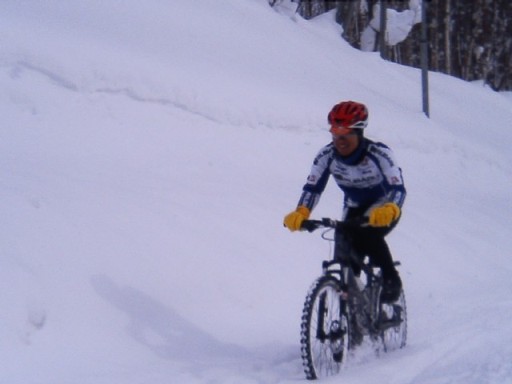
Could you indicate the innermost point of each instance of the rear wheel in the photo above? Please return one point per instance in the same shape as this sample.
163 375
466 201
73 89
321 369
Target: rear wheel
394 324
325 329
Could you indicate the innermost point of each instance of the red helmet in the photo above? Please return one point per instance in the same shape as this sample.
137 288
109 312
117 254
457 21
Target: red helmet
346 116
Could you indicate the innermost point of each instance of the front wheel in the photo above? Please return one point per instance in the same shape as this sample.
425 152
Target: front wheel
325 329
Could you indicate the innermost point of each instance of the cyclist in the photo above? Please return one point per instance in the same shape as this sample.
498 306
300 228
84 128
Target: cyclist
372 184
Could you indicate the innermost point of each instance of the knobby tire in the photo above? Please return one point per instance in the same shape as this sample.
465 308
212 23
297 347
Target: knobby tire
325 329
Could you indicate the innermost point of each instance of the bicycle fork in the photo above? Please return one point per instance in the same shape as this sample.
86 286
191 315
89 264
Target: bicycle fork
330 326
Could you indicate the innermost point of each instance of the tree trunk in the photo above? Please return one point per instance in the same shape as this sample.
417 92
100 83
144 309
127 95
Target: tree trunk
447 37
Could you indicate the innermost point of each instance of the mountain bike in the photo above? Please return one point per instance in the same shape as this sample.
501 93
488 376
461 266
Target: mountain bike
343 307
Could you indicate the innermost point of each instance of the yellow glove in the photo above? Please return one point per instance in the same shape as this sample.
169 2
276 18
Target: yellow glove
293 220
384 215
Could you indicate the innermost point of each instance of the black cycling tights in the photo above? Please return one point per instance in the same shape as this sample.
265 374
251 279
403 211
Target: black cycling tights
370 241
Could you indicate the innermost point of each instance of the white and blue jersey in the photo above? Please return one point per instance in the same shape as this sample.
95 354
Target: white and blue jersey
368 177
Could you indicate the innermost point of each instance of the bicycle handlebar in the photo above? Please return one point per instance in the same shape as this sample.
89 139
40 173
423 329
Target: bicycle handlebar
325 222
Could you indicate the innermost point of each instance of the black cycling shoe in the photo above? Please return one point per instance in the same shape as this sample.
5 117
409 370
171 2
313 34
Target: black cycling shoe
391 289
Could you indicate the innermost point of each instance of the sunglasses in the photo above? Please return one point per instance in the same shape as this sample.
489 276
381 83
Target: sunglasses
345 136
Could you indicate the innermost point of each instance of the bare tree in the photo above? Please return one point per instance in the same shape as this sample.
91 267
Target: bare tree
468 39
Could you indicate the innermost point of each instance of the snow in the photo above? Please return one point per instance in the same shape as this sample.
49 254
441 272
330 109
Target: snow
148 154
398 24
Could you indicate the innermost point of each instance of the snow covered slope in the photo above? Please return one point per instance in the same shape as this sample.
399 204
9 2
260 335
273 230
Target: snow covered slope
148 153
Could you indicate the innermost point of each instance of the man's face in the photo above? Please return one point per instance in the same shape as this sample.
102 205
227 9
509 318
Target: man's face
345 144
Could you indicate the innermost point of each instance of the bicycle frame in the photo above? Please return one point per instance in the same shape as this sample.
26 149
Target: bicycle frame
361 297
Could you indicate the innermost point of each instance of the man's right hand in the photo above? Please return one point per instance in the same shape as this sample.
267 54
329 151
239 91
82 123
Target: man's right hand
293 220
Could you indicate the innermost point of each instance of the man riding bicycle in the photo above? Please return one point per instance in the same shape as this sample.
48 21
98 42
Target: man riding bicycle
372 184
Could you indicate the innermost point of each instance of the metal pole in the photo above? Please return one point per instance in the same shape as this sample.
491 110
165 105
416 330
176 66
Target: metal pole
424 58
382 37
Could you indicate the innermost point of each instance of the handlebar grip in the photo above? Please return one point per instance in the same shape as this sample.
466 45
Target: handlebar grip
310 225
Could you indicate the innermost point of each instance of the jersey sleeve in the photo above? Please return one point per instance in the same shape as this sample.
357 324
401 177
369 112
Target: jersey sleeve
392 173
317 178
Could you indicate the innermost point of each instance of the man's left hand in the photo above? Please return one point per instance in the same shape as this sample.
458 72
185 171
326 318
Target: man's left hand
384 215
